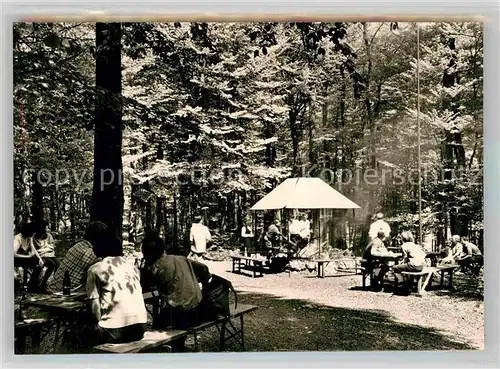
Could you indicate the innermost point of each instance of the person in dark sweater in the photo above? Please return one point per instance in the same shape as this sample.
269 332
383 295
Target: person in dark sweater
178 280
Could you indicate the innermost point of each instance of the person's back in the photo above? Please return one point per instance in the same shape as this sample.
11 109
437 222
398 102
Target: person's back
374 248
176 281
77 261
116 283
175 278
415 255
472 249
380 225
199 237
115 295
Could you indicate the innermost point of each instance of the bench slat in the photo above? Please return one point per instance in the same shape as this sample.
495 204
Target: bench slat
425 271
234 313
152 339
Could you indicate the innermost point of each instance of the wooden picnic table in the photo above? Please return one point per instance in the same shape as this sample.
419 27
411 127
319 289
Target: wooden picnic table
389 258
433 257
255 264
65 311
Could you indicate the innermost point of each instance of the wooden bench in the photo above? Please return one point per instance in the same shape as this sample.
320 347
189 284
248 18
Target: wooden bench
322 262
153 298
160 338
321 267
256 265
33 328
151 340
225 324
422 278
447 269
365 273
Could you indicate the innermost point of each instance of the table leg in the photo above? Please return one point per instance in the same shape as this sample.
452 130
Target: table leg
242 333
196 349
254 268
36 339
20 344
56 334
222 336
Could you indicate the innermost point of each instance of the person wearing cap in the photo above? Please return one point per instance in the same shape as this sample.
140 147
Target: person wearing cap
380 225
78 260
199 237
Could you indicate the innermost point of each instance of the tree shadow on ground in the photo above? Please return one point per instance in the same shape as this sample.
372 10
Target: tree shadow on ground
465 288
298 325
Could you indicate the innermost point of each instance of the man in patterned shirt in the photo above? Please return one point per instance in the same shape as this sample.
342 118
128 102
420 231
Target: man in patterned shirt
78 260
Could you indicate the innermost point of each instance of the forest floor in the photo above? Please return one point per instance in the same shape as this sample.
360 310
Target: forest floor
301 312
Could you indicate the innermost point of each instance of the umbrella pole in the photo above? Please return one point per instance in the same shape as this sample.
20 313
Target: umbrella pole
319 233
288 247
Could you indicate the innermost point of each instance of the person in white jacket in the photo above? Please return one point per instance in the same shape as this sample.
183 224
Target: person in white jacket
380 225
199 237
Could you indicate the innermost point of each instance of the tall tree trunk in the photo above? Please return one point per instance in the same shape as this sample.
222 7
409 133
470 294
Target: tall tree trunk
52 207
368 98
107 192
294 135
312 152
175 238
37 189
454 153
72 213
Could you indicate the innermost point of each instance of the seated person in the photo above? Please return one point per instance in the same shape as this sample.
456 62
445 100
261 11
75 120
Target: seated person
456 252
413 257
115 295
375 248
271 238
473 258
45 245
175 278
25 255
471 249
78 260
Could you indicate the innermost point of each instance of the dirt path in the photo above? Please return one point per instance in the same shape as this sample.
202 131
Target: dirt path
460 320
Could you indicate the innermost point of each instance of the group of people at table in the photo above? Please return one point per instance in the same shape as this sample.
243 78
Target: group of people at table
114 284
299 234
412 258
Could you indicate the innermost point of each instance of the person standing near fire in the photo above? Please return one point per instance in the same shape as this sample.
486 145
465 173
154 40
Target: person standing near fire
379 225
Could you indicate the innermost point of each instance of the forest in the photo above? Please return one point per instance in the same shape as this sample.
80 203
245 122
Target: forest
144 125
